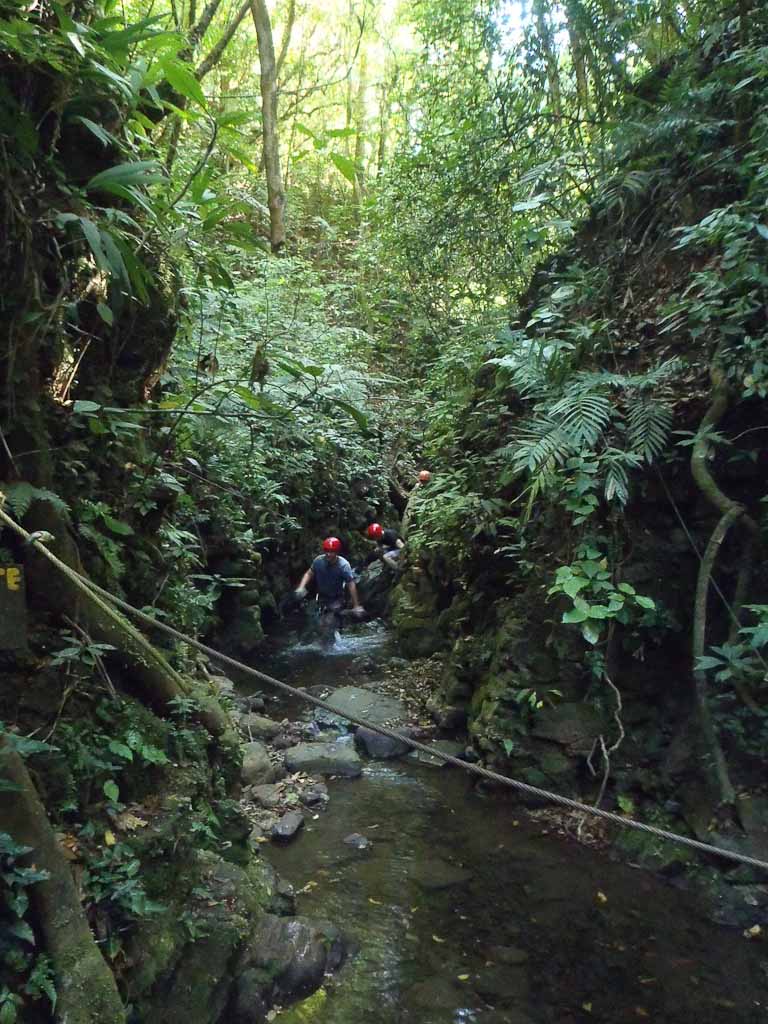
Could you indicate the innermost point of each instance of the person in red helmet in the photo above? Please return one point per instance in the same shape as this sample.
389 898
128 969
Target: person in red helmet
332 575
389 545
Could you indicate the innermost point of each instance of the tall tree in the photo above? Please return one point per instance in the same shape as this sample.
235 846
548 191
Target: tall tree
270 135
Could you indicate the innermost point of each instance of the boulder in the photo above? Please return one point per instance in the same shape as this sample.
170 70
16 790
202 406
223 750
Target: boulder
574 726
358 841
314 795
265 796
294 954
259 727
324 759
354 700
287 827
502 984
257 768
374 744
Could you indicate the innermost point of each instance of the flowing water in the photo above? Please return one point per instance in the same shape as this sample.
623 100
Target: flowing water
462 912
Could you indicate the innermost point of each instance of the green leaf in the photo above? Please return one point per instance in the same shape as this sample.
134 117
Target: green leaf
645 602
575 615
83 406
103 136
118 526
121 750
111 792
93 238
573 585
183 81
105 313
762 230
136 172
590 630
357 415
22 931
345 166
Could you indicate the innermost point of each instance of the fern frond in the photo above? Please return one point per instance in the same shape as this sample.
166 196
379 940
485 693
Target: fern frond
648 427
582 416
20 496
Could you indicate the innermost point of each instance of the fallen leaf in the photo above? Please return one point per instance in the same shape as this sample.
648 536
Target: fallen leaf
436 938
376 903
601 897
109 838
754 932
587 1007
462 977
641 1012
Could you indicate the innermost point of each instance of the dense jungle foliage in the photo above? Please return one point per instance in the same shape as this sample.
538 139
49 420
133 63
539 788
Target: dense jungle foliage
261 263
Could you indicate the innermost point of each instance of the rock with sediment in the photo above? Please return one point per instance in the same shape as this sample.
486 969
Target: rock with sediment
259 726
287 827
382 748
324 759
257 768
378 708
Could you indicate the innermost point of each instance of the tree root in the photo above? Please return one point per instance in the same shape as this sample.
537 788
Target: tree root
85 987
731 511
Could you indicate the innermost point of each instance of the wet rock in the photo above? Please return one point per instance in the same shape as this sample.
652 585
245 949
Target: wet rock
314 795
264 796
257 768
439 874
450 718
294 954
324 759
287 827
382 748
433 993
358 841
259 727
451 747
502 984
354 700
574 726
285 741
247 1005
255 702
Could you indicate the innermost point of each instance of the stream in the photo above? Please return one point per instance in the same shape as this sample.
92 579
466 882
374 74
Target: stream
463 910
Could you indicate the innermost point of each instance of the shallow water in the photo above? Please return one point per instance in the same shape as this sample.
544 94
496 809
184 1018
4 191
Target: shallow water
461 911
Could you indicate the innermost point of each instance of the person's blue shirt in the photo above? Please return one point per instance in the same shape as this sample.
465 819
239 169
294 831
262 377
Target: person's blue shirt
331 578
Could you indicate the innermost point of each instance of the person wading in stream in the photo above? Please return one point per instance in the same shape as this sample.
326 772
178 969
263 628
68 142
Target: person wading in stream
332 576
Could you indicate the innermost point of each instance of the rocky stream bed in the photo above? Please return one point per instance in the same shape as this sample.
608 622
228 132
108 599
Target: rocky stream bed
423 897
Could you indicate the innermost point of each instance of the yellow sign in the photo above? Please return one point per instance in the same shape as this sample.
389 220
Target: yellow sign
12 577
13 608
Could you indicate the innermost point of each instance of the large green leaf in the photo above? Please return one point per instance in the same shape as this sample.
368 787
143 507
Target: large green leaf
345 166
183 80
138 172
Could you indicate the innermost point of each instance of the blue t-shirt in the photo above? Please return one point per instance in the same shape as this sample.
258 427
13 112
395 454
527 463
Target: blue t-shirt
330 578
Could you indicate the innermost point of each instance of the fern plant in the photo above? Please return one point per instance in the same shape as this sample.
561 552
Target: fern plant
20 495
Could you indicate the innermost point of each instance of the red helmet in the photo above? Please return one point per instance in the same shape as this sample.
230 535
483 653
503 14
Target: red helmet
332 544
375 530
425 476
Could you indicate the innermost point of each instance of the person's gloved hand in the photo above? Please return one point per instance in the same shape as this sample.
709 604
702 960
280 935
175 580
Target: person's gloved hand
301 593
358 612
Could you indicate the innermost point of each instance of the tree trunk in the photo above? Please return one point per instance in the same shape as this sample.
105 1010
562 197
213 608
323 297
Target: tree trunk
549 53
358 189
85 987
271 140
